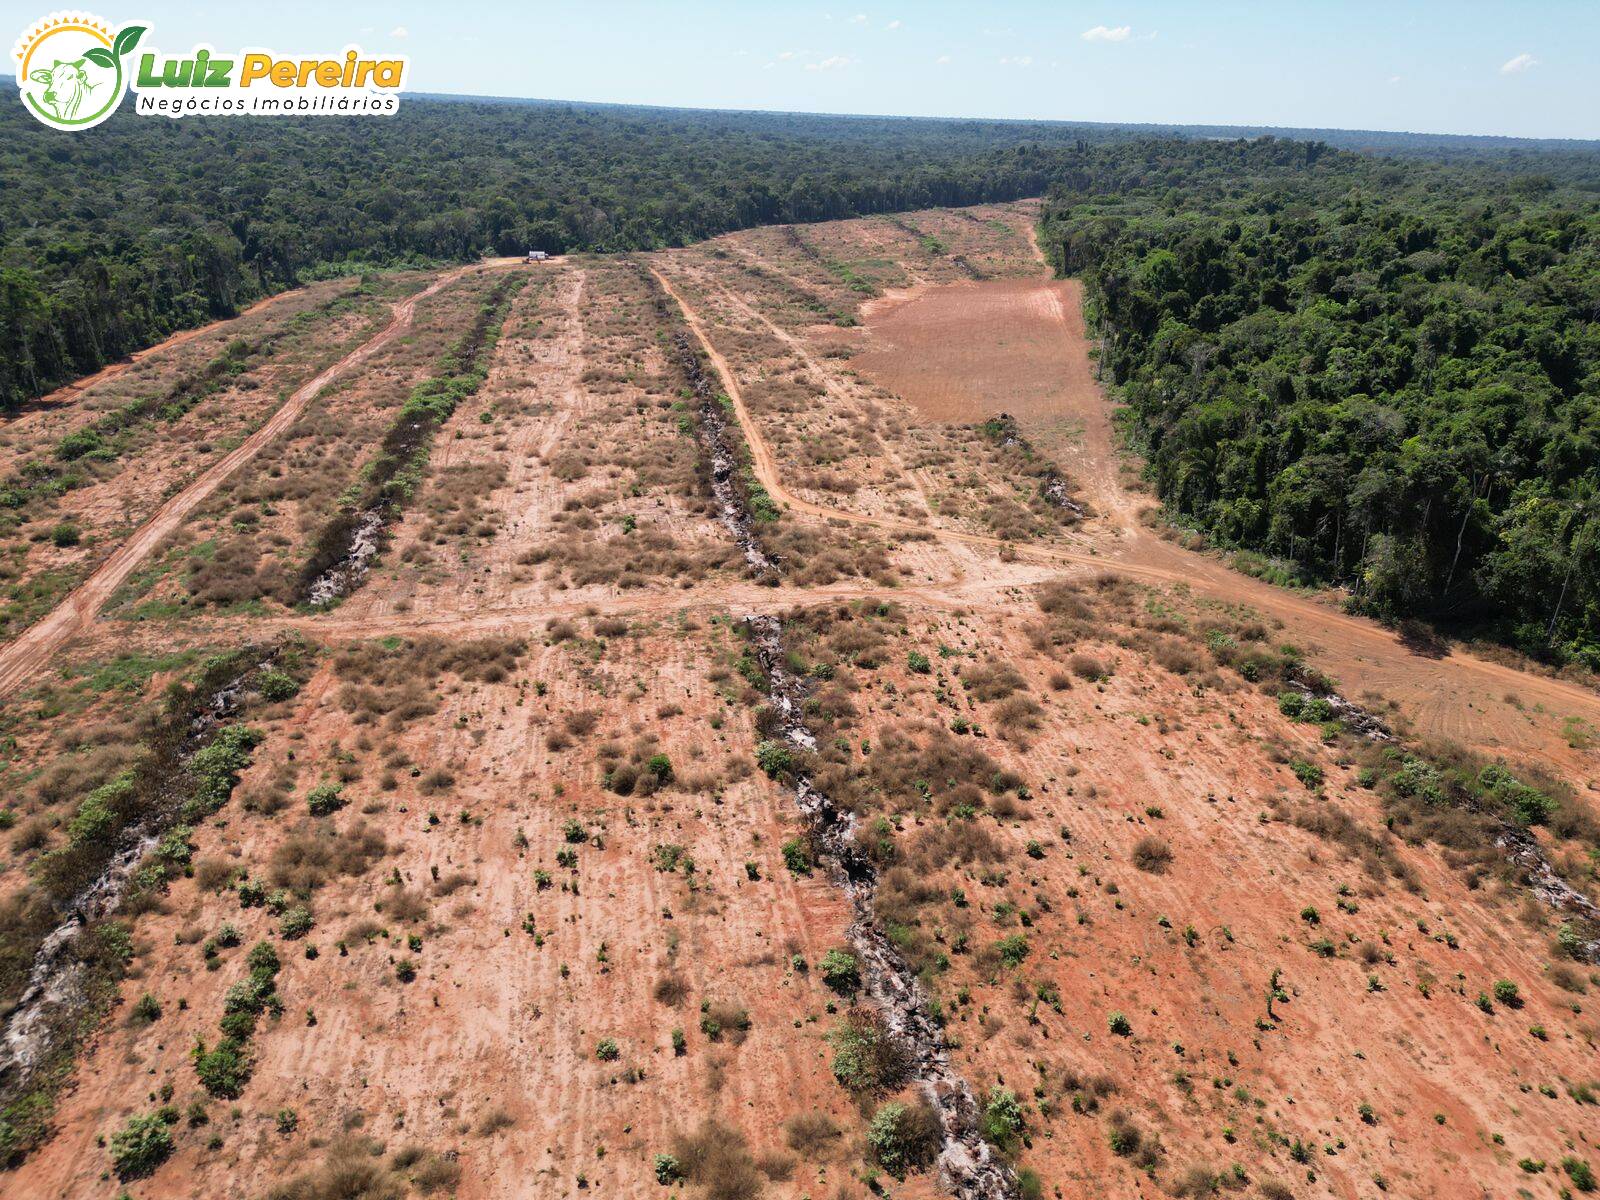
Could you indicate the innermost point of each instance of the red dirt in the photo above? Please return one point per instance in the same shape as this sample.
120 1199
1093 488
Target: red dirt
29 652
1186 752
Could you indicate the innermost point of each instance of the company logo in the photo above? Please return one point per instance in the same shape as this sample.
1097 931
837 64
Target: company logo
73 70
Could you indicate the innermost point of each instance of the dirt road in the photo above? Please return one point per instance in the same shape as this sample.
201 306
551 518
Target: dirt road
25 656
1482 704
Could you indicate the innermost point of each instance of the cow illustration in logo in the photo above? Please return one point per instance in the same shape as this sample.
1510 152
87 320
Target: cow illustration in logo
67 86
70 69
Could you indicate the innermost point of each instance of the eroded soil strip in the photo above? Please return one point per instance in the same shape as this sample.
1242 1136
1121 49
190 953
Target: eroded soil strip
967 1165
722 459
349 542
187 773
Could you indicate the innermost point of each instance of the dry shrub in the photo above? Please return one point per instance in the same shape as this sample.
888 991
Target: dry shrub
1017 714
811 1135
449 885
992 680
212 874
582 723
1152 854
306 860
494 1120
671 989
1376 851
405 906
436 782
352 1170
1177 657
776 1165
716 1159
1194 1181
1086 666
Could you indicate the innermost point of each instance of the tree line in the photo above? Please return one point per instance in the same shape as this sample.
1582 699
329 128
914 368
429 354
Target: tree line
1387 373
111 241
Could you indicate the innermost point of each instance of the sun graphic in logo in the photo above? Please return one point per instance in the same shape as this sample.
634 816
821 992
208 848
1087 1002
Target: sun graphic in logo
70 68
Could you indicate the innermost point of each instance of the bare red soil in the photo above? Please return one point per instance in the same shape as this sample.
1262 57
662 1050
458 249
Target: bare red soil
1031 725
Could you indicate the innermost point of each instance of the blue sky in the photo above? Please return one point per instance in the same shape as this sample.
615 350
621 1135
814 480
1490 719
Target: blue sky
1528 69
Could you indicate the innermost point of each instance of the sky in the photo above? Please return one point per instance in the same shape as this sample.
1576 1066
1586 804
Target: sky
1529 69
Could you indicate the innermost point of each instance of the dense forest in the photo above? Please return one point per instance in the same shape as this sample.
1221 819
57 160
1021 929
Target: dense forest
1387 373
1385 369
110 242
113 240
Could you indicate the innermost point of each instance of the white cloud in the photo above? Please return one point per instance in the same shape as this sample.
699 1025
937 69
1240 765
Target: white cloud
942 60
1394 79
786 55
1520 63
1101 33
399 31
833 63
1021 60
892 25
859 19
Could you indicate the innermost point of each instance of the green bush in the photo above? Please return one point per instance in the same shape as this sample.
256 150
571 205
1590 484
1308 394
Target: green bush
606 1050
1002 1118
1013 949
667 1170
840 971
1579 1172
276 685
904 1137
1507 993
1307 773
773 757
140 1146
296 923
797 856
326 799
1118 1024
224 1071
865 1058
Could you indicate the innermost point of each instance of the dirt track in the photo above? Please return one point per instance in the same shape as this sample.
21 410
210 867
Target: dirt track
490 1056
25 656
1461 696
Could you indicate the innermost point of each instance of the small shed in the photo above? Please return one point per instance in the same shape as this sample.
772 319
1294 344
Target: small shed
536 256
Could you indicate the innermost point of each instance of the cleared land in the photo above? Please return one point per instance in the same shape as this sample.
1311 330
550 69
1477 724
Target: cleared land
543 905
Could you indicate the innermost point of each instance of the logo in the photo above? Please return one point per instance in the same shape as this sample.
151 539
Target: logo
72 69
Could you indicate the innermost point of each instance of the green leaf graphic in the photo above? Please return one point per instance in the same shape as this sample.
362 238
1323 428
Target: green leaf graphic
100 57
128 38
